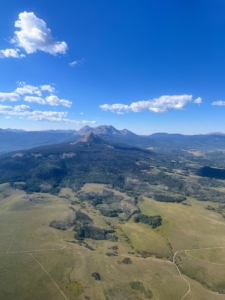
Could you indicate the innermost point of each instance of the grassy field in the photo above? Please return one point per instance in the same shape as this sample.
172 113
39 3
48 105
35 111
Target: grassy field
38 261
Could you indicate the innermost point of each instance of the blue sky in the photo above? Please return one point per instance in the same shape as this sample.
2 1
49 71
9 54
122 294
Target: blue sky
148 66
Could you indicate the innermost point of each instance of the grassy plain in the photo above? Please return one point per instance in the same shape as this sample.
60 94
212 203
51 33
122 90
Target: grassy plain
38 262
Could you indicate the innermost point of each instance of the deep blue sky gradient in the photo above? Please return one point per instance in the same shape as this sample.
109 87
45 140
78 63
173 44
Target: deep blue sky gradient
131 51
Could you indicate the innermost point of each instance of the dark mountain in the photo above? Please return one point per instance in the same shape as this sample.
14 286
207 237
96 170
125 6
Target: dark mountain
90 159
90 138
126 168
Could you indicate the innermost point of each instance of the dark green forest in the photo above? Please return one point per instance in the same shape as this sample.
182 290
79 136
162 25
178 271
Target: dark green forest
123 167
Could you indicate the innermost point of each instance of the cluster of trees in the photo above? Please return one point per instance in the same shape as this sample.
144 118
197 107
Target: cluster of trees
63 224
111 253
83 227
212 172
126 261
138 286
105 197
109 204
96 276
92 232
83 218
110 212
167 198
153 221
78 218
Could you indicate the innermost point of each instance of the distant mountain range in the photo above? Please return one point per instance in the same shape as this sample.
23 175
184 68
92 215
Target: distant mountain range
13 139
215 133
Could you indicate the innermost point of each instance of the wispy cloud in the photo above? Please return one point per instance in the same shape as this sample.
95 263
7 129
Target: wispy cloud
198 100
25 111
33 35
158 105
218 103
48 88
76 63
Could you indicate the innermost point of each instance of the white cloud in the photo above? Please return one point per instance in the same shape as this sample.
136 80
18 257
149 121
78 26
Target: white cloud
5 109
11 53
86 122
198 100
24 111
158 105
219 103
9 97
76 63
48 88
35 93
33 99
34 35
117 108
47 116
27 89
8 117
22 108
55 101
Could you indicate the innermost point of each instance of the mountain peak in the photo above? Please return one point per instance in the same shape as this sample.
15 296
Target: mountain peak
105 130
86 127
90 137
84 130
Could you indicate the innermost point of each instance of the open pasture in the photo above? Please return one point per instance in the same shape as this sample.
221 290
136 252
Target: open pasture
41 262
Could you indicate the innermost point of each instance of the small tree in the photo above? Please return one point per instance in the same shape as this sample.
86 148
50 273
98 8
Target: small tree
96 276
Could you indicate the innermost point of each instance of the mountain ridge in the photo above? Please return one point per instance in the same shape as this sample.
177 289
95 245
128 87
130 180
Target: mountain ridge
104 130
164 142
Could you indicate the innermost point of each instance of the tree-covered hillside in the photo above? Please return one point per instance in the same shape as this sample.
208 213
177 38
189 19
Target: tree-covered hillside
73 164
135 171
